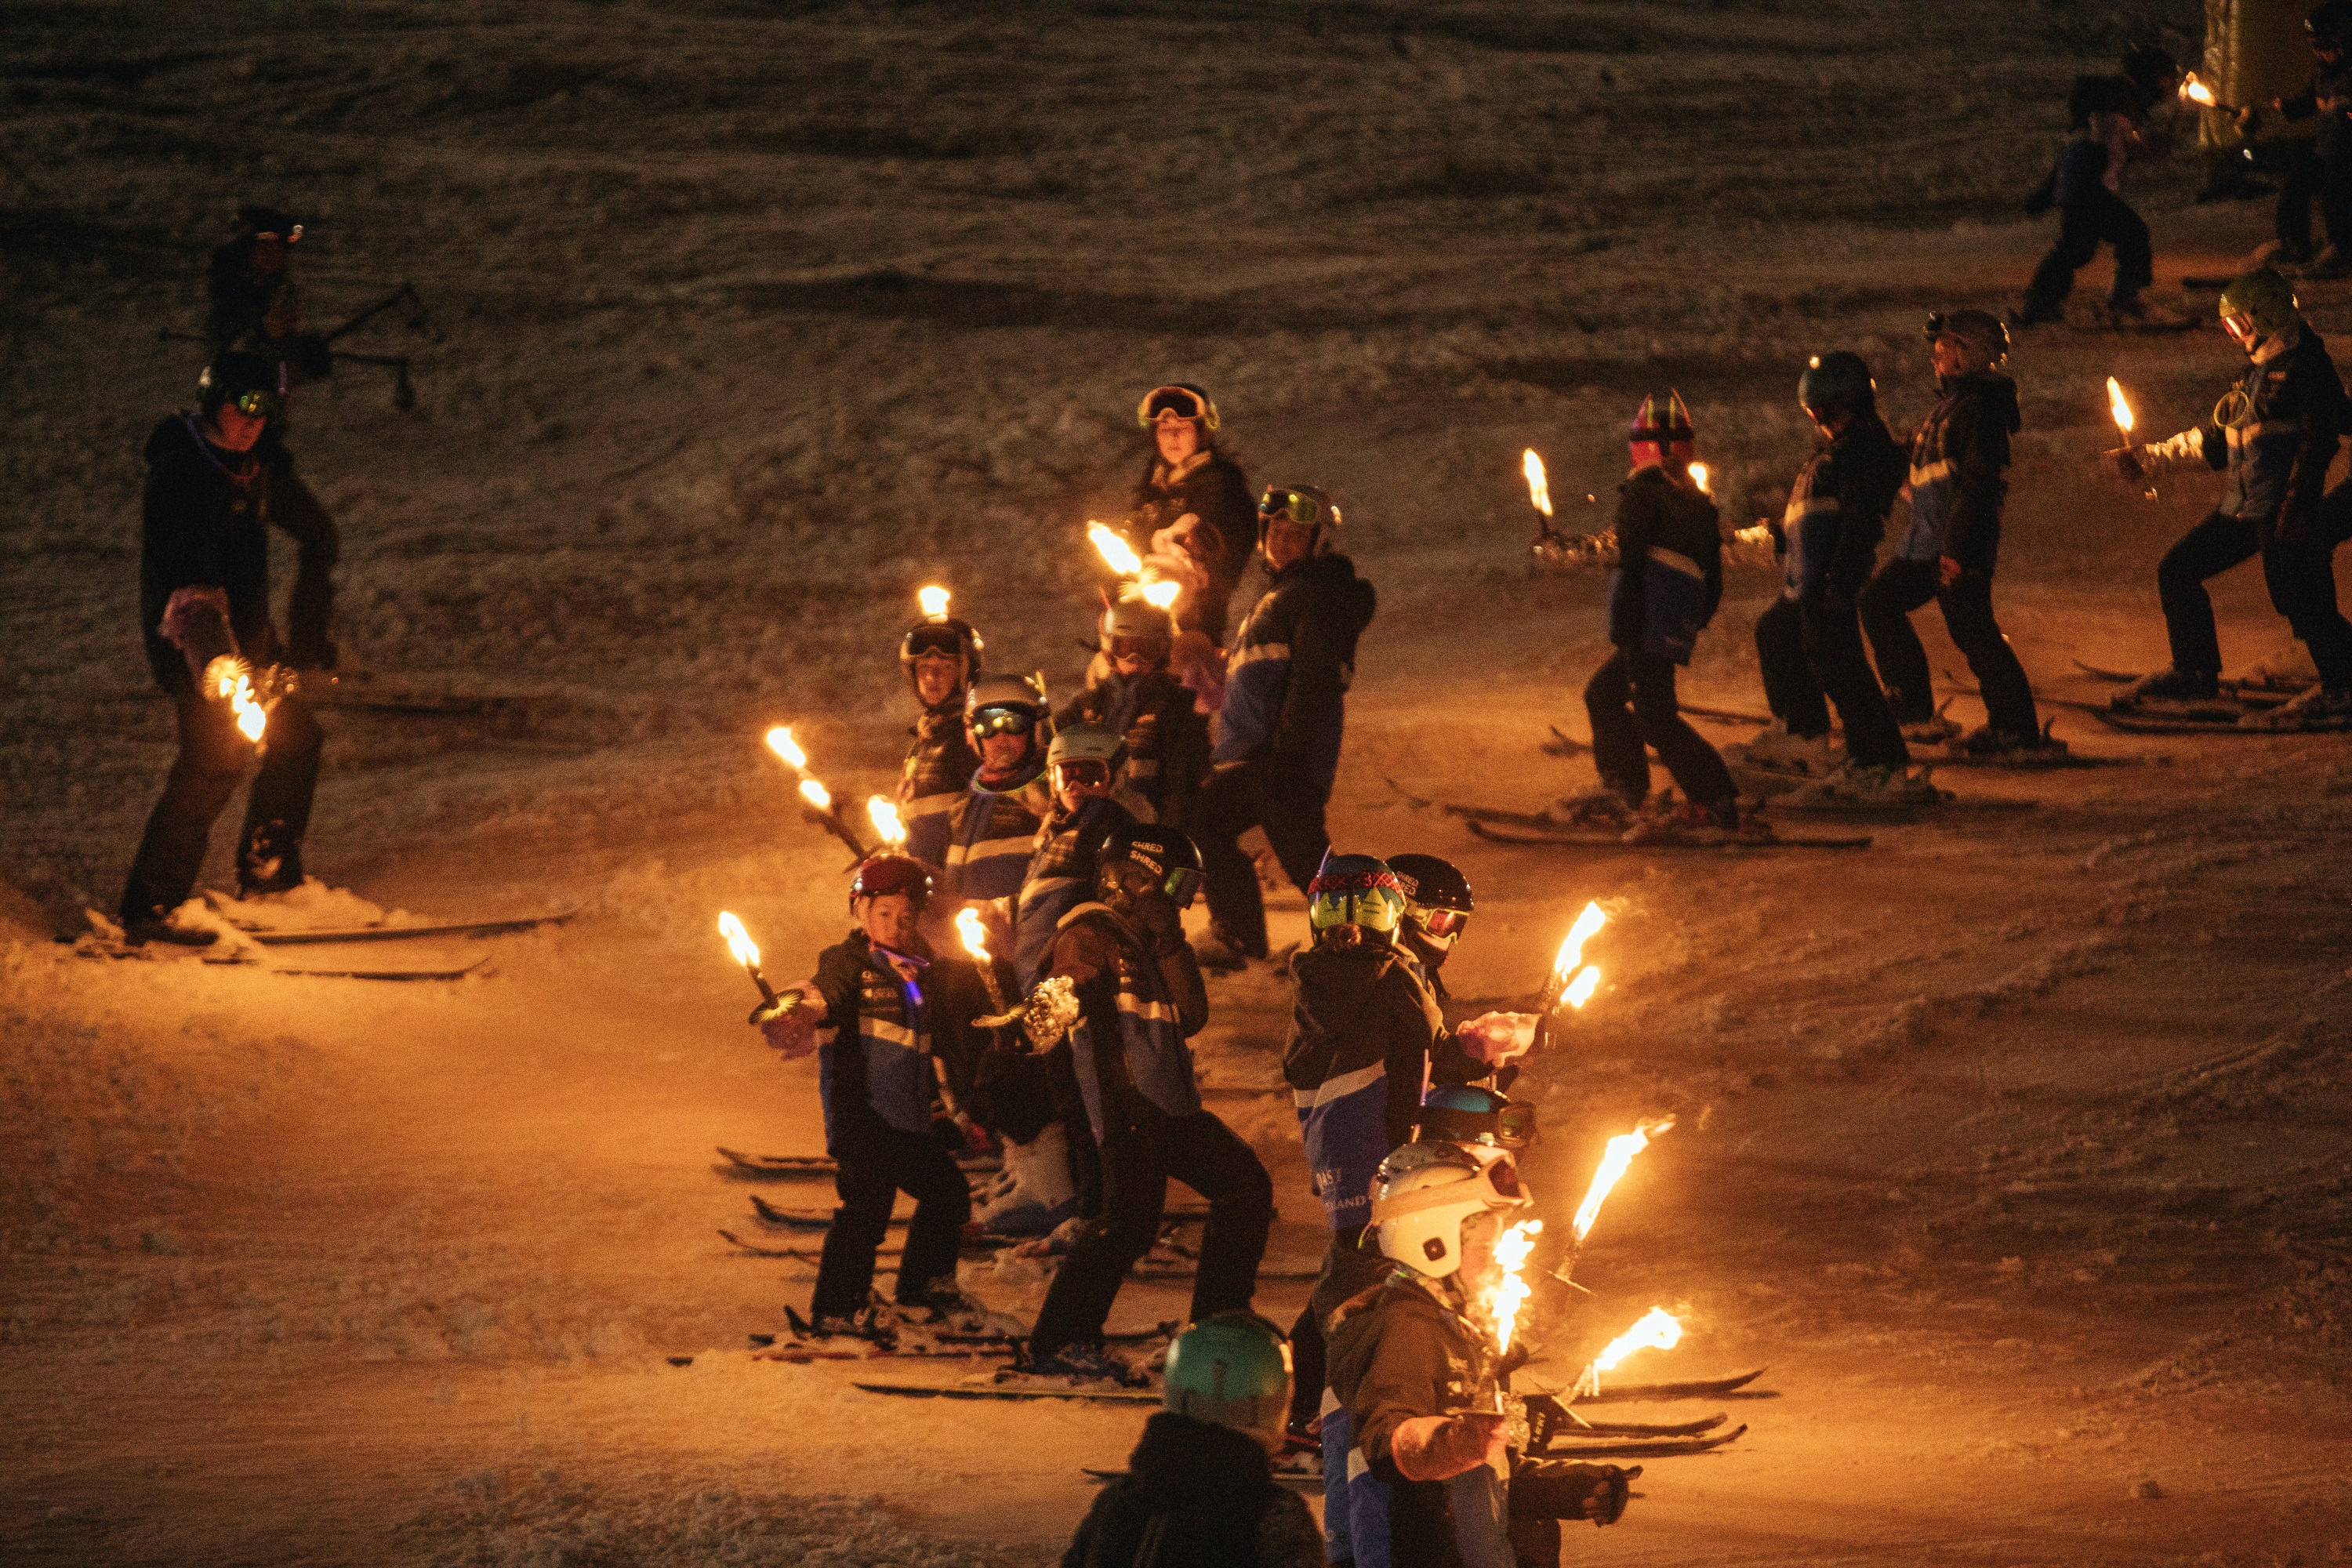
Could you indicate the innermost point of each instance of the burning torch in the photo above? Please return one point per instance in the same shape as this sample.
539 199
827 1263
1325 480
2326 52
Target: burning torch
817 802
1511 1250
1540 497
1656 1330
1138 581
1614 1161
2120 408
975 942
1572 980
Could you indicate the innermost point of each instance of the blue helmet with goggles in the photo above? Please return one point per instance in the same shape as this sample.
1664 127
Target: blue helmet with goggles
1148 858
1471 1113
1354 890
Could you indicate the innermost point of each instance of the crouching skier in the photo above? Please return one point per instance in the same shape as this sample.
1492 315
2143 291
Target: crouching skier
1199 1490
891 1027
941 657
1139 998
2273 434
1663 592
1959 462
1413 1360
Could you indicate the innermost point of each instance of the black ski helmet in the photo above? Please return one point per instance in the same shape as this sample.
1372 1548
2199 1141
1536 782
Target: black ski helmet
1837 382
879 876
1432 883
1146 858
257 385
1303 504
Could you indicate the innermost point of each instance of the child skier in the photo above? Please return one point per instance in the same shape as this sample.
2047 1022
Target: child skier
2107 115
942 658
1086 815
1193 501
1135 696
993 826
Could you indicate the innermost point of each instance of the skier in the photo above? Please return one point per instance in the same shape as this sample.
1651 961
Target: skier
1284 716
1809 643
1414 1363
1665 589
942 658
1199 1490
2321 167
1140 998
1084 816
1437 905
993 826
203 530
2107 115
1193 503
890 1024
1133 693
1367 1034
2273 434
254 305
1959 459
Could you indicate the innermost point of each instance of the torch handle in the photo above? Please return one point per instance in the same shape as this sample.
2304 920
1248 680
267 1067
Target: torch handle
767 991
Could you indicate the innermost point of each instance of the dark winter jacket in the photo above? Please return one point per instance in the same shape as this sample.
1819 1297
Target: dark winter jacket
1167 741
202 524
1196 1495
1837 510
2277 431
1137 1009
1288 675
1959 472
1669 577
1061 877
1365 1030
991 832
1397 1354
1212 488
876 1048
2329 96
940 765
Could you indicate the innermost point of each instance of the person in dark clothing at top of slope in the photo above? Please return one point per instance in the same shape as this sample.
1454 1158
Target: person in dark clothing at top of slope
1199 1490
2321 167
1285 716
1810 642
1134 694
2108 115
1192 505
890 1022
2274 433
1959 477
941 657
204 522
1139 997
1665 589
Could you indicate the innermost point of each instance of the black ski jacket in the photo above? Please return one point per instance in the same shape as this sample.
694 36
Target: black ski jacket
1167 741
202 524
876 1068
938 770
1196 1495
1669 576
1836 515
1288 675
1959 472
1212 488
2276 432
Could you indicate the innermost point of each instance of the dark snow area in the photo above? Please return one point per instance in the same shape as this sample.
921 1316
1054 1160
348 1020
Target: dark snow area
2015 1145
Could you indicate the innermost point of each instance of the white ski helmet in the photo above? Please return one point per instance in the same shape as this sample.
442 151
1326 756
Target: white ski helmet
1424 1191
1085 743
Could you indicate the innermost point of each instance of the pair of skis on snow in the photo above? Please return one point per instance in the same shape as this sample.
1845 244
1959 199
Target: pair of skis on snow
338 936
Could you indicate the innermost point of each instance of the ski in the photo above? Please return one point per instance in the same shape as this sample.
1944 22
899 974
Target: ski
775 1167
1016 1392
1724 715
1560 1422
1707 1388
801 1355
1599 839
2142 724
386 973
405 933
1658 1449
970 1245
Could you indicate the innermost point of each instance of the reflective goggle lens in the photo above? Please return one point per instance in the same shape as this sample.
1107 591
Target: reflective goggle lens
2239 325
1003 722
941 641
1505 1177
1516 1122
1081 772
257 405
1290 504
1441 923
1148 649
1182 885
1175 400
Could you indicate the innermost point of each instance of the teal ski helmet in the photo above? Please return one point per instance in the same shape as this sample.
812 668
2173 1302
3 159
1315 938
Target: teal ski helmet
1354 890
1233 1369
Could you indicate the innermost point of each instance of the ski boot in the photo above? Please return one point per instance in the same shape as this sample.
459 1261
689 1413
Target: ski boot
830 1327
2168 685
1855 787
1601 807
1085 1363
139 931
1775 751
1993 745
2321 707
1934 730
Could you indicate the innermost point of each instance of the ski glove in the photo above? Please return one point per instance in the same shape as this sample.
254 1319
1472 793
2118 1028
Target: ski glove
1554 1488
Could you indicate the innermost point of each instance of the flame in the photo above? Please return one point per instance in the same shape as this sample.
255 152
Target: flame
1162 594
1656 1330
885 817
1581 989
251 716
739 941
934 600
1589 921
2119 406
2195 91
1117 553
781 742
1759 534
968 932
816 795
1699 478
1613 1161
1539 491
1511 1249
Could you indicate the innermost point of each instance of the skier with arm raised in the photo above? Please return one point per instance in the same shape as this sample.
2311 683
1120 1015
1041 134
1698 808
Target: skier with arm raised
1192 504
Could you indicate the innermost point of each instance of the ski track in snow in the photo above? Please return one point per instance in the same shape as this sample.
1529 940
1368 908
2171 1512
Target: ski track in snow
2014 1144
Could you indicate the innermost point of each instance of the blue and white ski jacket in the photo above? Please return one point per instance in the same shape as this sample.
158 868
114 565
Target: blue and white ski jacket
1959 460
2276 432
991 833
1829 533
875 1049
1129 1039
1287 673
1061 877
937 769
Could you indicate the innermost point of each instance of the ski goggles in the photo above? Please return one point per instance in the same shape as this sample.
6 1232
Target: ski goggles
941 642
1082 773
1148 649
2241 328
991 721
1436 922
272 237
1180 401
1182 885
1292 506
257 405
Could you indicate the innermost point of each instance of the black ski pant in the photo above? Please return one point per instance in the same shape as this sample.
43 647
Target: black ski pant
213 758
1348 1270
1631 703
1903 585
870 1176
2300 574
1234 800
2308 175
1810 648
1137 1161
2102 218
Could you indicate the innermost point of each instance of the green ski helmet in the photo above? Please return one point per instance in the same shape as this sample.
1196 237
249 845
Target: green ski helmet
2257 305
1354 890
1232 1368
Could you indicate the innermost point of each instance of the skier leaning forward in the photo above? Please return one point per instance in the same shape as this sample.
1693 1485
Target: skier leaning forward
2273 435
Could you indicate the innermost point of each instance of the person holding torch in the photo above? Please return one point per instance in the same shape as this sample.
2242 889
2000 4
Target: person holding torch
891 1025
1192 504
1132 692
